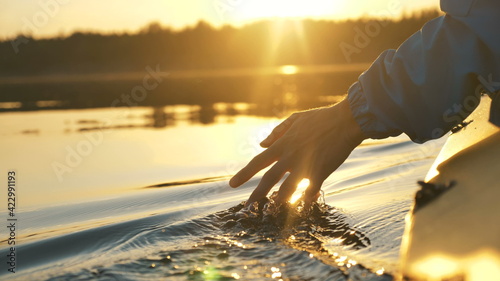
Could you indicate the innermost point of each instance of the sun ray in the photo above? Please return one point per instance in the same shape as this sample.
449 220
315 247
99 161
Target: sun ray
301 187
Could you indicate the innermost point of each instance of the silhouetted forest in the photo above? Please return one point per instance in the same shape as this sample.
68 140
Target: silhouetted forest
202 47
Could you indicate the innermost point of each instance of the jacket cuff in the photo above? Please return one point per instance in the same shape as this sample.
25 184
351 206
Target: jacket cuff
369 123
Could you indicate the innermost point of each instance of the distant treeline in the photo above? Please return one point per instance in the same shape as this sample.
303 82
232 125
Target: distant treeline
264 43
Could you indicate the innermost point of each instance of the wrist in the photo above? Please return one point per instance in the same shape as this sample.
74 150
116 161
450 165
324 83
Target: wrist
352 129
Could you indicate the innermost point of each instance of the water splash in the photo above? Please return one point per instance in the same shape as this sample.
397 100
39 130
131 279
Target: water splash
265 240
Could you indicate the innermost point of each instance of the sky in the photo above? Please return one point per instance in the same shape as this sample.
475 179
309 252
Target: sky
47 18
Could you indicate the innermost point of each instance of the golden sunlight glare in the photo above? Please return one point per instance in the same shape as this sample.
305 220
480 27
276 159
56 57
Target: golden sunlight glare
292 8
437 267
477 266
289 69
301 187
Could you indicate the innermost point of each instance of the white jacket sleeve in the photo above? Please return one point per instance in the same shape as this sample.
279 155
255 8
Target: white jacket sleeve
431 82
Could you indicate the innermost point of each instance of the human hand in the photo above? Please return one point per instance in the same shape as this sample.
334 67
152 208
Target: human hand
308 144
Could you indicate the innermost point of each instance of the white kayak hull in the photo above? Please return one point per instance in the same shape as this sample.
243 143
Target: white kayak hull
456 232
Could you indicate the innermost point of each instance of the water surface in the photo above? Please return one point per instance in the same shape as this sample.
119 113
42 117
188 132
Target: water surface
106 194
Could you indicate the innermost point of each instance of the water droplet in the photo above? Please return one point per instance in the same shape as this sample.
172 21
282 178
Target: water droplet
276 275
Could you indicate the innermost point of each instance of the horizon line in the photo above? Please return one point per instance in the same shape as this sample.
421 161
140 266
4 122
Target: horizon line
141 29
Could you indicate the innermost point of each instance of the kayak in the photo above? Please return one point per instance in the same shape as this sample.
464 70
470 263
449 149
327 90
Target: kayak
453 229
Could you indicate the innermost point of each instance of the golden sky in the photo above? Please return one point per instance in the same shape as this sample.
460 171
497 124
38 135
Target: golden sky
43 18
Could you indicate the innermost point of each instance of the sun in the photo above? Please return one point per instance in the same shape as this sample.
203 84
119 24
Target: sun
258 9
287 9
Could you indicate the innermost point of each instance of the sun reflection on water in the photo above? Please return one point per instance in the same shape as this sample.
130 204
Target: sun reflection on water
289 69
478 266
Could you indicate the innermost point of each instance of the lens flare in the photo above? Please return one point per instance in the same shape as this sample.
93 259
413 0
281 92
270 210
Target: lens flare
289 69
301 187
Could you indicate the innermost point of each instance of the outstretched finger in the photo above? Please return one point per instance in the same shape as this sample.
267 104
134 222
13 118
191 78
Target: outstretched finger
267 182
258 163
279 131
312 192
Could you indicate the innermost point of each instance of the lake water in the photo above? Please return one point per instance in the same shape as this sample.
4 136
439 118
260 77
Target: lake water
133 194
